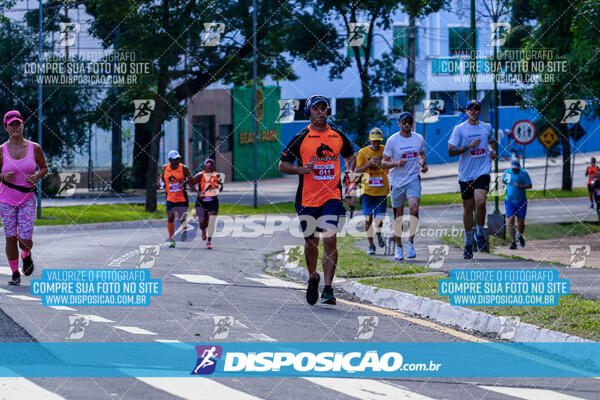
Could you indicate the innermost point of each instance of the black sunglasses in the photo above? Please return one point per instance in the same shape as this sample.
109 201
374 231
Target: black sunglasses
476 108
407 121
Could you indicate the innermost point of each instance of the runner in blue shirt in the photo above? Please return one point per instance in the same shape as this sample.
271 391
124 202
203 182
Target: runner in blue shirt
517 182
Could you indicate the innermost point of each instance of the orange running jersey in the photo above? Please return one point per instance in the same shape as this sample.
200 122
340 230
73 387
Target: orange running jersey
173 184
592 172
324 150
209 185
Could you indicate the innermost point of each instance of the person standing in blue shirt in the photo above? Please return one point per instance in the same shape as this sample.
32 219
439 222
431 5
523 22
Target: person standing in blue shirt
517 182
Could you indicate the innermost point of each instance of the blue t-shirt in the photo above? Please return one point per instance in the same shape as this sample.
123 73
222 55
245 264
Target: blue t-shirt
473 162
513 193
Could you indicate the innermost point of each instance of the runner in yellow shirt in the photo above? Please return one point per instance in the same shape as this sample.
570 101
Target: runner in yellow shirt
375 184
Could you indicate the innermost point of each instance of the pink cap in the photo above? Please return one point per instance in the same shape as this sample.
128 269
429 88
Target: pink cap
11 116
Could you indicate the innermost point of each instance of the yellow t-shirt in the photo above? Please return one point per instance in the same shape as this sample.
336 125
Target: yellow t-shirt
375 179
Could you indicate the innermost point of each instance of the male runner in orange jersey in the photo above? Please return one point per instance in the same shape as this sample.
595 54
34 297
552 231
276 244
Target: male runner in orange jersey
317 150
175 176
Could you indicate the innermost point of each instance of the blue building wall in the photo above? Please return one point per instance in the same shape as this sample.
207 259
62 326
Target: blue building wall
437 135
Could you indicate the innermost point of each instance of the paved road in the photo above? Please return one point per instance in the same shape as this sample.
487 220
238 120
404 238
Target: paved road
227 281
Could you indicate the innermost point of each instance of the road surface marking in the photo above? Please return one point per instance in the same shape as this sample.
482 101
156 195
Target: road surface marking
24 389
95 318
135 330
4 291
262 337
428 324
62 308
5 271
197 388
21 297
530 394
275 282
200 279
367 389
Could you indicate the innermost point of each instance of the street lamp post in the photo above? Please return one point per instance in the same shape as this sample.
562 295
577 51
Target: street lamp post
39 139
255 106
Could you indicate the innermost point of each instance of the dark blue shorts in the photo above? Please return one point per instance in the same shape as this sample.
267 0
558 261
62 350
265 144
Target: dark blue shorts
520 209
374 205
317 219
205 207
177 206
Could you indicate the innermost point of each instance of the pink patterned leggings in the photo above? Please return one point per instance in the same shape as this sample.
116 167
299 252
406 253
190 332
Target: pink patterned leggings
19 221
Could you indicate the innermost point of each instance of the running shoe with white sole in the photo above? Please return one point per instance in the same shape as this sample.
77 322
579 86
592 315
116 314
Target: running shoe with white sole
171 244
16 279
28 265
399 254
312 292
371 250
327 296
410 250
209 245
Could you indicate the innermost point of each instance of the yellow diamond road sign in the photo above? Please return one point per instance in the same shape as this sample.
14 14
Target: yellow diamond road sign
548 138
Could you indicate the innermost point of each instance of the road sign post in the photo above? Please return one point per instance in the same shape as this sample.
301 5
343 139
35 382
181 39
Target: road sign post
548 139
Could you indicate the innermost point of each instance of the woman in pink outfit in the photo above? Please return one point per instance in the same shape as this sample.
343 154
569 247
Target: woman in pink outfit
19 159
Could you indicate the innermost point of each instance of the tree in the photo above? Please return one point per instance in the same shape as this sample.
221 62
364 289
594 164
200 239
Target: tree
165 31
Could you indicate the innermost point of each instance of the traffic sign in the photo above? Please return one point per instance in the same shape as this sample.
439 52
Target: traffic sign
548 138
523 131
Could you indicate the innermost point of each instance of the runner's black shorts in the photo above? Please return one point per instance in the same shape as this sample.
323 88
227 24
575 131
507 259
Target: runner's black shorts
205 207
317 219
467 189
183 205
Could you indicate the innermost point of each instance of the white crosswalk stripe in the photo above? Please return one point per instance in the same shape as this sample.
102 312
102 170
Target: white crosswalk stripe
367 389
197 388
5 271
24 389
275 282
21 297
530 394
200 279
134 330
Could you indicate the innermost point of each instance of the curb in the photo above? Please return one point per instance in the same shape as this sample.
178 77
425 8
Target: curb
100 225
440 311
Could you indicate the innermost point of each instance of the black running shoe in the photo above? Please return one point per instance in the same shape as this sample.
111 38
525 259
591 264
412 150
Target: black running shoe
480 241
468 253
16 279
27 265
327 296
380 240
521 239
513 246
312 293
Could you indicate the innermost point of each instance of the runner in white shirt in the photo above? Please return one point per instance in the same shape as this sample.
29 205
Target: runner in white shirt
473 141
405 154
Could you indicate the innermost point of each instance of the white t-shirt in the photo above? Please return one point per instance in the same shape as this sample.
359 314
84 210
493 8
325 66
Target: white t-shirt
473 162
400 148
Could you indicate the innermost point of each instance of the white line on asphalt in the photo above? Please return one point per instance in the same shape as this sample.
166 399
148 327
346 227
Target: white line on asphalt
275 282
200 279
21 297
4 291
62 308
367 389
262 337
24 389
5 271
135 330
530 394
197 388
95 318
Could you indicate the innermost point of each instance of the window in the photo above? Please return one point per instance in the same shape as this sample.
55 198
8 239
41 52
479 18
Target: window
395 104
344 105
401 34
361 51
459 40
225 138
509 98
